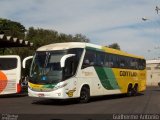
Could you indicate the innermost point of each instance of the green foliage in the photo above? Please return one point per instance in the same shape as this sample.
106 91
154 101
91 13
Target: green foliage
114 46
38 36
12 28
41 37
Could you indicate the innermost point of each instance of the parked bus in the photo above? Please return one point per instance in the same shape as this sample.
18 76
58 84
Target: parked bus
82 70
10 74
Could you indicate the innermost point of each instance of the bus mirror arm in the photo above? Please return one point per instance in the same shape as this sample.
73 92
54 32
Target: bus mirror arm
25 60
63 59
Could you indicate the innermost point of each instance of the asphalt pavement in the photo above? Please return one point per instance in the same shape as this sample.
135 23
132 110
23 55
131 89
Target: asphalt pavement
147 102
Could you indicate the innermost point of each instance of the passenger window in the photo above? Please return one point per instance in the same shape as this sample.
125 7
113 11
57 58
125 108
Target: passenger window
89 59
100 59
141 64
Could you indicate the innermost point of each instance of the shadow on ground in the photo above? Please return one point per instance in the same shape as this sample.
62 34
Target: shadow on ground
14 95
75 101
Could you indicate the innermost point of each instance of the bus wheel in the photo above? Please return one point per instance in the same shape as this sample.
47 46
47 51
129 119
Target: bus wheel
135 90
84 95
130 90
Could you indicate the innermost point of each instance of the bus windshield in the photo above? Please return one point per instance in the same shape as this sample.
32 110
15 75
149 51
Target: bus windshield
46 67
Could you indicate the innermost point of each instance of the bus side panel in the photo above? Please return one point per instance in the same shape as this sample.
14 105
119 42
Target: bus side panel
125 77
142 81
88 76
108 80
100 80
9 82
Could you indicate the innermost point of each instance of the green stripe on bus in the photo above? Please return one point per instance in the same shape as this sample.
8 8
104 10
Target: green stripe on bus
107 78
111 77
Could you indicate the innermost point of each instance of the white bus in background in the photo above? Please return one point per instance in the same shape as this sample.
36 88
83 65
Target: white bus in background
10 74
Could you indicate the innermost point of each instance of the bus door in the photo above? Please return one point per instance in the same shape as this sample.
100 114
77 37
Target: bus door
10 74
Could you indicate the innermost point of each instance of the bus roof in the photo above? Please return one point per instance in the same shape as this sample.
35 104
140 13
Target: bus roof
61 46
69 45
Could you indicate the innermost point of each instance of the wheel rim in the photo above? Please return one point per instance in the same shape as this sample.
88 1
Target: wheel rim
84 95
135 90
129 91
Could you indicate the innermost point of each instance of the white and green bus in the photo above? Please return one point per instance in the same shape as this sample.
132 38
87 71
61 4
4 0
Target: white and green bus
81 70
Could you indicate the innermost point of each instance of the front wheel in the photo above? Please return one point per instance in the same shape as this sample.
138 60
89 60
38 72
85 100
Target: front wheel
84 95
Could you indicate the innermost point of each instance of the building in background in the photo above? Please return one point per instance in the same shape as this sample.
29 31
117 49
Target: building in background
153 72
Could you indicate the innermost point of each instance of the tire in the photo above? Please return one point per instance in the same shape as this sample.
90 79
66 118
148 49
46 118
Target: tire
135 90
130 90
84 95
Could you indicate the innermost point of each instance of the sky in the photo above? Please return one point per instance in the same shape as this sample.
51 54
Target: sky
104 22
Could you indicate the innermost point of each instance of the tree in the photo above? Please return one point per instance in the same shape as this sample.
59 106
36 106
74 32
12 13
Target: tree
41 37
114 46
38 36
12 28
80 38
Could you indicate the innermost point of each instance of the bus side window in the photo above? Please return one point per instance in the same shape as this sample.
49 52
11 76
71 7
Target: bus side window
100 59
133 64
141 64
89 59
86 63
69 69
108 62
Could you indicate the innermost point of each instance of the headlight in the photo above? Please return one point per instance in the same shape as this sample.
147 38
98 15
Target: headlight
59 86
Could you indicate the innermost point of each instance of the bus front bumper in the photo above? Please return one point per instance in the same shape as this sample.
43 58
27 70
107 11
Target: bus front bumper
57 94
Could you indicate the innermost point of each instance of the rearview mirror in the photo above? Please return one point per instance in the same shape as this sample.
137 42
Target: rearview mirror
63 59
25 60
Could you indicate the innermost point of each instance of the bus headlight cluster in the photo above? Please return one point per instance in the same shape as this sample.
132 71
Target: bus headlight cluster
59 86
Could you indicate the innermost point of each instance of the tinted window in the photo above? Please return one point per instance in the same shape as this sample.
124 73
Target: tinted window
8 63
77 52
98 58
141 64
71 64
89 58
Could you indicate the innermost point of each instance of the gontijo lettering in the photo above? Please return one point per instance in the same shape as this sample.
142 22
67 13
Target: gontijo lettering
128 73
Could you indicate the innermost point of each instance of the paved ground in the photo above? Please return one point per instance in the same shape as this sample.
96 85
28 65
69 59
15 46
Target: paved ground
146 103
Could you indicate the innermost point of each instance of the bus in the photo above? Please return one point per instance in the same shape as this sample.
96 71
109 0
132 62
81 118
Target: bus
10 74
82 70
